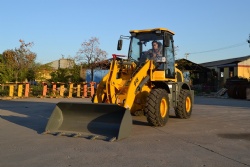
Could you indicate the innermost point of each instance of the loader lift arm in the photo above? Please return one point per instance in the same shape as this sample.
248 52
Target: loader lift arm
135 82
115 85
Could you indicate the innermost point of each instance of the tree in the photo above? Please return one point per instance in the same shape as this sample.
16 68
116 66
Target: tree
91 54
75 74
5 73
42 70
31 75
60 75
19 61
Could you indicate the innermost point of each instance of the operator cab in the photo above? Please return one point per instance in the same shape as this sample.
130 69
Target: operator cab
152 44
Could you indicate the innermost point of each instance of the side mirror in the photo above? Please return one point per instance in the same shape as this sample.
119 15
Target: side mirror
166 40
119 45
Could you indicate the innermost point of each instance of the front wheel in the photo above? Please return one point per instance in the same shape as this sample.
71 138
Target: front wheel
184 105
157 107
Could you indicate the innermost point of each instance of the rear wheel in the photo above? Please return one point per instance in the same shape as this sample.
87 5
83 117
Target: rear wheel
184 105
157 107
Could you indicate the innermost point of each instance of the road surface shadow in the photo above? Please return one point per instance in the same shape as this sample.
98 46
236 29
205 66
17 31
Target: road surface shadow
242 136
33 115
221 102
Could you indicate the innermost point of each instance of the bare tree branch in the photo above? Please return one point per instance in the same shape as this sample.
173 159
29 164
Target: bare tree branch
91 54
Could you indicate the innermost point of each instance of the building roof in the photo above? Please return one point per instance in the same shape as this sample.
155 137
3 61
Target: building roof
184 64
62 63
220 63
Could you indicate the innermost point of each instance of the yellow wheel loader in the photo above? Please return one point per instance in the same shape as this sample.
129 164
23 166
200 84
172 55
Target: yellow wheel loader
146 82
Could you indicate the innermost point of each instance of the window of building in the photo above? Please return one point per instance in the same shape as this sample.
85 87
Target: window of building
231 71
222 72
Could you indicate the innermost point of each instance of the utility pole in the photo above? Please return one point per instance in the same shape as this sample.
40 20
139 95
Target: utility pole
186 55
249 40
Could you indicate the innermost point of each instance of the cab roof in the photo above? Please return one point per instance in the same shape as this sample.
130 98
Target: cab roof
152 30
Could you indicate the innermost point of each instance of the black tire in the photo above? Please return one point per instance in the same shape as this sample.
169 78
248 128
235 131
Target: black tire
184 105
157 107
93 98
236 92
230 91
138 113
242 91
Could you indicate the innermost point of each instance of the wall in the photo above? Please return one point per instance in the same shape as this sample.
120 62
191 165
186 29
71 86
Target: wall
235 71
244 69
98 75
226 74
62 63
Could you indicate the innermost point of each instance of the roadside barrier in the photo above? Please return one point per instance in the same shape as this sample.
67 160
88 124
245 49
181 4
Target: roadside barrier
51 90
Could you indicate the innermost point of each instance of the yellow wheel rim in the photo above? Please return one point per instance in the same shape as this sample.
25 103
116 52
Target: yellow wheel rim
163 108
188 104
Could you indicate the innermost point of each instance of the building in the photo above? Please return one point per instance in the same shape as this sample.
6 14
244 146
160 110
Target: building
193 72
46 69
62 63
230 67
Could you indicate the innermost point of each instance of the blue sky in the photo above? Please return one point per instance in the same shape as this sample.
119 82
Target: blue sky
58 27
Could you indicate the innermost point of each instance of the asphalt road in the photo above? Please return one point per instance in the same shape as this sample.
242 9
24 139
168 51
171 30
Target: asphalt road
217 134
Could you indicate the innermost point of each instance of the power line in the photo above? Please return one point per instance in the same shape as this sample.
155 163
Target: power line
223 48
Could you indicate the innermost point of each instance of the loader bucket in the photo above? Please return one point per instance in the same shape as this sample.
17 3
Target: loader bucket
92 120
